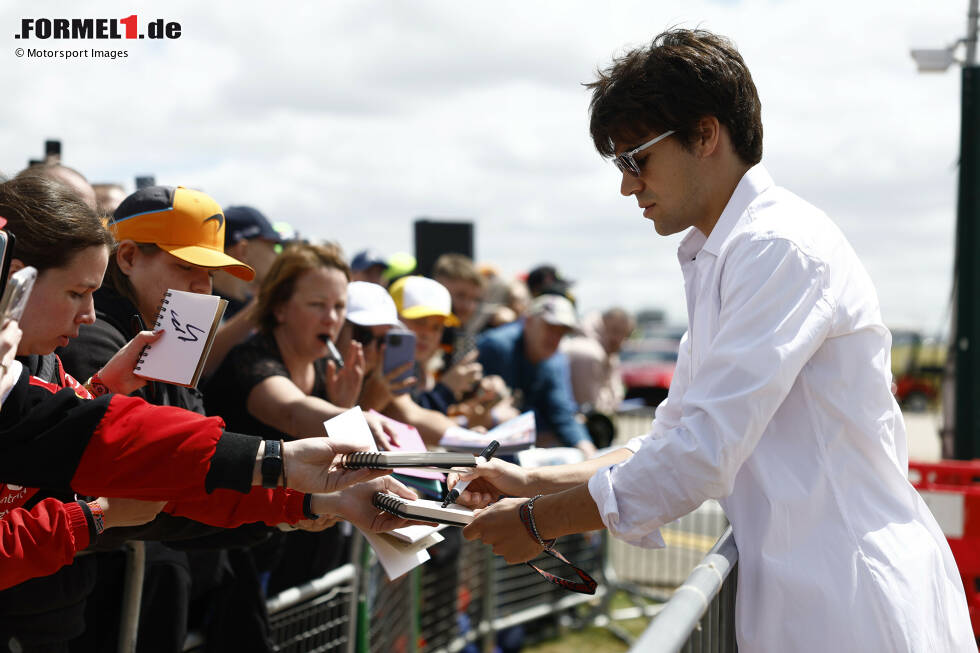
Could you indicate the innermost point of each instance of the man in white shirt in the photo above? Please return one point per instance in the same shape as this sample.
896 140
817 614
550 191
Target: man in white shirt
780 405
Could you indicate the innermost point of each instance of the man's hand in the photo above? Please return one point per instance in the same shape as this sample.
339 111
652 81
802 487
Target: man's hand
312 465
354 504
489 481
501 527
128 512
344 386
117 374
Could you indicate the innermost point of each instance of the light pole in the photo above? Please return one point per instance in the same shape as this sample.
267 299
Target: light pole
961 430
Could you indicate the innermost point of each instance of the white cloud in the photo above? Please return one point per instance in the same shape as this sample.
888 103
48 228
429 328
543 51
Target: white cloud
349 119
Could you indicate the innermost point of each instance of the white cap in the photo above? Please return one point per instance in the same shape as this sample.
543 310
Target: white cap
555 309
369 304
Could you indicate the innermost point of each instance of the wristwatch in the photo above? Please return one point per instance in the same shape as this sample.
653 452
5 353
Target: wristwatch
271 464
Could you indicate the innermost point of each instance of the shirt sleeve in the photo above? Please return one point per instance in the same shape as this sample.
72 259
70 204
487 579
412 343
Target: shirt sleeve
40 541
775 312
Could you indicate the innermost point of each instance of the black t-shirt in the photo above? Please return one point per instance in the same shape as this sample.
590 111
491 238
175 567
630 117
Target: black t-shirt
245 366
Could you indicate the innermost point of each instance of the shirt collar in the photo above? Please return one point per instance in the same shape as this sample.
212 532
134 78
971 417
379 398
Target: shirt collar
756 180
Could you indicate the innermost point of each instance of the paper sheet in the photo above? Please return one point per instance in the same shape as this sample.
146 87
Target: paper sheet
395 555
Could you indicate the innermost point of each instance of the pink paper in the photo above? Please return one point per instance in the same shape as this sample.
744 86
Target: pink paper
410 440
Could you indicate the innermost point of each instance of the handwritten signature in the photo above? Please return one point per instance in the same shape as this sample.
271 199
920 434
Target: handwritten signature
188 330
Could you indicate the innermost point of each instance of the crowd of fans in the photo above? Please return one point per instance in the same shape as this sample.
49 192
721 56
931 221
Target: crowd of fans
96 456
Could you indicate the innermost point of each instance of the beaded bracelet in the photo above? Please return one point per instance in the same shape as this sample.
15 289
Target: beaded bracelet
98 517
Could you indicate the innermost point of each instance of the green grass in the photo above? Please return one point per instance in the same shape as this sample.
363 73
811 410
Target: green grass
593 639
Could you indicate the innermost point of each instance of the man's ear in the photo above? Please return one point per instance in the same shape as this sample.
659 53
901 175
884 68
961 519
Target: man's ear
126 253
15 265
708 135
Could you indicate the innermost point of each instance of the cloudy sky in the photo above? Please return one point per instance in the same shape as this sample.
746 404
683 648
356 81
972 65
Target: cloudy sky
351 119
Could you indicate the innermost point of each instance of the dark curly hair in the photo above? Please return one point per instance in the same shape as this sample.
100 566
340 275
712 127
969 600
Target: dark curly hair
683 76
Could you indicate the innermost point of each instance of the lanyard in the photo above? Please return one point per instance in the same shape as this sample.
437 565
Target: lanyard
587 584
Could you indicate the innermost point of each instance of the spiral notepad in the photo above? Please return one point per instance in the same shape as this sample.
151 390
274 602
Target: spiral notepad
189 322
407 459
422 509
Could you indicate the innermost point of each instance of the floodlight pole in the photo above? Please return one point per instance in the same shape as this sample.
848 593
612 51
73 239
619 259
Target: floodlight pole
966 311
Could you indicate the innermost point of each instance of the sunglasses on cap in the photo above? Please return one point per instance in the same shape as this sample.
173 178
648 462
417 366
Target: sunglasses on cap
625 161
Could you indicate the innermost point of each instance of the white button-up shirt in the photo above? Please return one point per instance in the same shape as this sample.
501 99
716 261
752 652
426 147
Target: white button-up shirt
780 407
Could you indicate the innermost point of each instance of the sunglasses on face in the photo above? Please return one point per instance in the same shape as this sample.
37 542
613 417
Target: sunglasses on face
363 335
625 161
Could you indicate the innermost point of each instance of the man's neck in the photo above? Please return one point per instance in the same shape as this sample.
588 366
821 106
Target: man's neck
720 196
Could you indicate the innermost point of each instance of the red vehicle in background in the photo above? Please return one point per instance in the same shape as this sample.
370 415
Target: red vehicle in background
917 370
647 368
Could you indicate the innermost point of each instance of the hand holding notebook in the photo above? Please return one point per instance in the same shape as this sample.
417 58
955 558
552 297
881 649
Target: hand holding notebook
189 322
423 510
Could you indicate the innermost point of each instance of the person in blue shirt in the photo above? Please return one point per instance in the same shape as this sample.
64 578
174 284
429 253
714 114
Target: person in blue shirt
525 354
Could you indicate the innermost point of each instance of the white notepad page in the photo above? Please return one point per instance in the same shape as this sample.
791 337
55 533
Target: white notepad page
187 320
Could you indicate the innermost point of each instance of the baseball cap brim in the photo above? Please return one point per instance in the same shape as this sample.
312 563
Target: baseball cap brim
416 312
372 317
572 327
210 258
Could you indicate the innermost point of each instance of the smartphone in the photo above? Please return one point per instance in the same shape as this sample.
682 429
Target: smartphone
399 349
6 254
16 293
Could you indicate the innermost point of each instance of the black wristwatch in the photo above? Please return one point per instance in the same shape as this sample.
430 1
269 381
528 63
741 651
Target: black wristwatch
271 464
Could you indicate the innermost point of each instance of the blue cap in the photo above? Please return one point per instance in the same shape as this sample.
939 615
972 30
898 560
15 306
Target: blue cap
367 258
246 223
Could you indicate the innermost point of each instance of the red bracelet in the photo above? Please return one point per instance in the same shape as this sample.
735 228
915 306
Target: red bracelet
96 386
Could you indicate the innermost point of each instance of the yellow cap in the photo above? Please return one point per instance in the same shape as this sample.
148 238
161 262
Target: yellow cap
418 297
186 223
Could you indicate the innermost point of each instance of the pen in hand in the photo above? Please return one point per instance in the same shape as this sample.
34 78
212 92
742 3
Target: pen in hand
335 354
484 456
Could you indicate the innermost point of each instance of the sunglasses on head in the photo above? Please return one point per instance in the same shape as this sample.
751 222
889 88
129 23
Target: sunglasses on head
363 335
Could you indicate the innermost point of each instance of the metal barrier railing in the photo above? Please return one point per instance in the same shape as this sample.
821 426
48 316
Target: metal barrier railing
700 616
466 595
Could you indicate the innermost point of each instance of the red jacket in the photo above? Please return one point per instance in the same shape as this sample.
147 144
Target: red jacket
54 435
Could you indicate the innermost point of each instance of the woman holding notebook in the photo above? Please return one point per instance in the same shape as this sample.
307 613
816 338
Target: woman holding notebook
54 433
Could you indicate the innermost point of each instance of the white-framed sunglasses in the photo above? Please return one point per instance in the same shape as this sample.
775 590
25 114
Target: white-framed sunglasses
625 161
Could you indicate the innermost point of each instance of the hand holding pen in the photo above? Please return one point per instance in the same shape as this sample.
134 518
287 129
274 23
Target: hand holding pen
484 457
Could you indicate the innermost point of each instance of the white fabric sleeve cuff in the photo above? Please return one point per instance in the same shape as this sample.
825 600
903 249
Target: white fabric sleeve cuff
635 443
604 495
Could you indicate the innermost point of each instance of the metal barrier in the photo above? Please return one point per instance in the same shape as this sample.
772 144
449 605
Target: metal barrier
465 595
700 616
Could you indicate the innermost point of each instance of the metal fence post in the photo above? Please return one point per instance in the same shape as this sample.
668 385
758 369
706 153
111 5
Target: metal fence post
132 596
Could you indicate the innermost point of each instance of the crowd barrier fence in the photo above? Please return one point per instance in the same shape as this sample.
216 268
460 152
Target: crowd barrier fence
700 616
464 597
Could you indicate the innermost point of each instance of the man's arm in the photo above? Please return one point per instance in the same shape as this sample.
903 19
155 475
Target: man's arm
558 405
776 311
563 513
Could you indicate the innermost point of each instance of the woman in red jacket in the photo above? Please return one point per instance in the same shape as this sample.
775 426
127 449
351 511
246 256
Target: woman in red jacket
55 434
